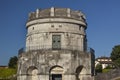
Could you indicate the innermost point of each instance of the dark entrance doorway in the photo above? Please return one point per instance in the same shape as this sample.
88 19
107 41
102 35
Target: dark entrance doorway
56 76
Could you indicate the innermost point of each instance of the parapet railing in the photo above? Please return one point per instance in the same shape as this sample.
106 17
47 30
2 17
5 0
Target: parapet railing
57 12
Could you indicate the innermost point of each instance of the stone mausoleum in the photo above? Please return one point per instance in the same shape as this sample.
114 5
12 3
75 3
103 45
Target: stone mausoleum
56 47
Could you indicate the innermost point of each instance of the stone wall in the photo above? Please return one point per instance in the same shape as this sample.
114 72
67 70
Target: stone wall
108 76
74 63
40 37
43 24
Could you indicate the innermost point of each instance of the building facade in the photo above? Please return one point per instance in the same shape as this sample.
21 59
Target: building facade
104 61
56 47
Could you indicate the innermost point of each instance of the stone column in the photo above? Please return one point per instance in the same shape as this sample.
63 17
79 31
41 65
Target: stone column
82 43
37 13
68 12
52 11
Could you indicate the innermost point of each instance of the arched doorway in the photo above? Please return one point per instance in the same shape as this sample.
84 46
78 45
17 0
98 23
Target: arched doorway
32 73
56 73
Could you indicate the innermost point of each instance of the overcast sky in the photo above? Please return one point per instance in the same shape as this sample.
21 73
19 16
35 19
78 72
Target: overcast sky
103 18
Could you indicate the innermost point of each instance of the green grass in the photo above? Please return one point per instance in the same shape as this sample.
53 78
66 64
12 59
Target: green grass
106 70
7 72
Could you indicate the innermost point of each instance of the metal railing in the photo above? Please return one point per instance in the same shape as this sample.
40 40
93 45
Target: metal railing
49 47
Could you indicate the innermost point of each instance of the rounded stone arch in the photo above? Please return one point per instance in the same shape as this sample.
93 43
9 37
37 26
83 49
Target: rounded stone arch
80 72
32 72
55 67
56 72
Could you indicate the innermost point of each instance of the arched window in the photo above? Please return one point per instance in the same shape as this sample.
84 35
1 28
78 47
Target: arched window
80 72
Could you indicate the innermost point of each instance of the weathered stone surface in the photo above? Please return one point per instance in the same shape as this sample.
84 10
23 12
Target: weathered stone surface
56 47
43 61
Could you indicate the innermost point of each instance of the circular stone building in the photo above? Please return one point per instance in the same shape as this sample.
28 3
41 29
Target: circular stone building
56 47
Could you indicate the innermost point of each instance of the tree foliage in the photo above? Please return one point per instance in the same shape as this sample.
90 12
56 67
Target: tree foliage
13 62
115 55
98 68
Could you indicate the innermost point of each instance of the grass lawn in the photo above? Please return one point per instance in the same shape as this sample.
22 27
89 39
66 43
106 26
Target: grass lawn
7 72
106 70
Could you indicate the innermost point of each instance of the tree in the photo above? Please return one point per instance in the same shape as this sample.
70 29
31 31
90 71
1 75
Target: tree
98 68
13 62
115 55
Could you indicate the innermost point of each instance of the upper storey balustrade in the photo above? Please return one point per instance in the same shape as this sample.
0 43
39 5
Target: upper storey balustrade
57 12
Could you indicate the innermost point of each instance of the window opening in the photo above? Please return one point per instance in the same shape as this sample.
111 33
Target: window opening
33 28
56 42
56 76
52 26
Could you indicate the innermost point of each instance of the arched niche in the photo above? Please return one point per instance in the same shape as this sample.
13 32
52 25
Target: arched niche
56 73
32 73
80 71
